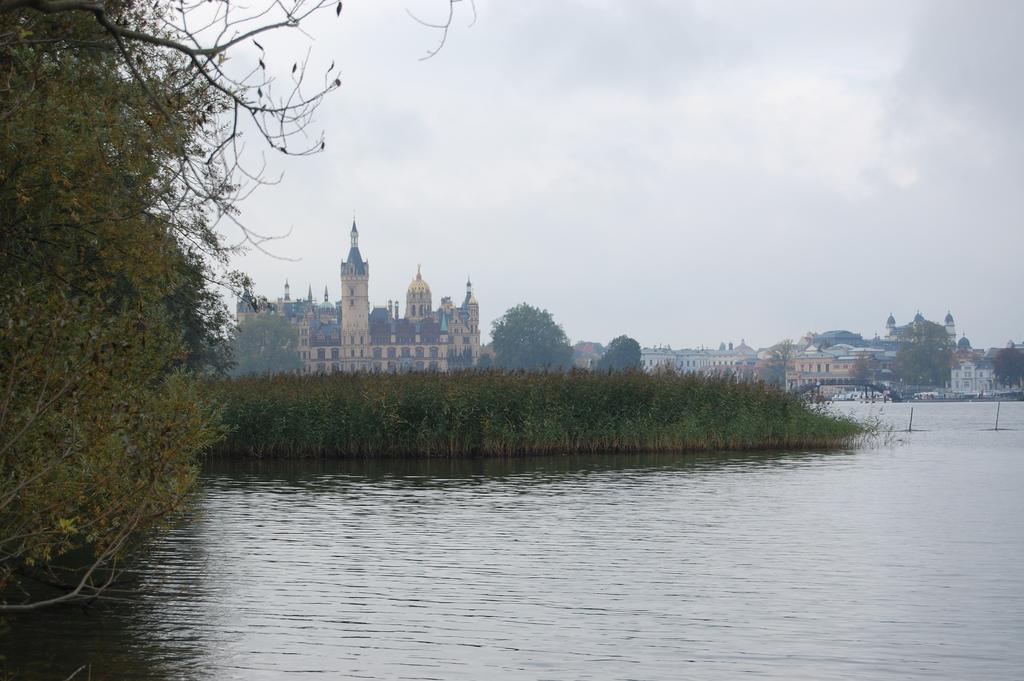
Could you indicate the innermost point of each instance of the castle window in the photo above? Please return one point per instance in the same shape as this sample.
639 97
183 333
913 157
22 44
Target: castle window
334 353
433 352
351 291
391 353
406 353
419 352
376 353
321 356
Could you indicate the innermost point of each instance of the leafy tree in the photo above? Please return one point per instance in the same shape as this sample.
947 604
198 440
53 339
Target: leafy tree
925 354
781 354
119 131
862 369
266 344
1009 366
105 255
622 353
526 337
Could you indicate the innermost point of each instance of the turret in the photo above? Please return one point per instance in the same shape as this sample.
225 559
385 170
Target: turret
472 307
950 325
418 303
287 290
355 306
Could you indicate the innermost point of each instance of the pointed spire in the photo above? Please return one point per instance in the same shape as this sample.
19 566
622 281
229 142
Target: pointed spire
418 275
309 295
287 290
354 234
325 295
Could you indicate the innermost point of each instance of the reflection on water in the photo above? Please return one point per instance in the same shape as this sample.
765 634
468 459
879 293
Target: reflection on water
884 562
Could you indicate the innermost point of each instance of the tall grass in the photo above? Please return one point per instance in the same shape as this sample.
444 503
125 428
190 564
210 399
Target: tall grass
495 413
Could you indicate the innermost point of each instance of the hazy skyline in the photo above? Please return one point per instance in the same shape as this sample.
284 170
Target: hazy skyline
685 173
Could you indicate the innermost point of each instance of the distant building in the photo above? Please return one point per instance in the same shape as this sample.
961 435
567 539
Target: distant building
348 336
586 354
740 360
973 377
894 332
838 365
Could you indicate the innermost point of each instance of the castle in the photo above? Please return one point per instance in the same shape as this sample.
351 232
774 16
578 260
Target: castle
348 336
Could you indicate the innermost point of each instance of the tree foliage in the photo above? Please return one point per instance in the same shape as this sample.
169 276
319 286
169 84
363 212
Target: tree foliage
622 353
925 354
863 370
1008 365
526 337
781 354
266 344
106 259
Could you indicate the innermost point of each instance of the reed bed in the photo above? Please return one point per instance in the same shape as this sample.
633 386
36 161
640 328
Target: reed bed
494 413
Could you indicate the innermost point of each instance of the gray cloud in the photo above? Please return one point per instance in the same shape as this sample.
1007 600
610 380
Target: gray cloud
686 173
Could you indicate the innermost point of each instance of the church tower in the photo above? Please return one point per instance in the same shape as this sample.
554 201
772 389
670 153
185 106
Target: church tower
355 308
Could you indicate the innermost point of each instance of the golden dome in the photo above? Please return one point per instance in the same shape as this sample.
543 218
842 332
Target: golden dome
418 285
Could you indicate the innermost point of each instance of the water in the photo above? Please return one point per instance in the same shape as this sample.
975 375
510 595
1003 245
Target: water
894 562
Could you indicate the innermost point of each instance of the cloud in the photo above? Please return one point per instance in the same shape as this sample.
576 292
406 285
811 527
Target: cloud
683 172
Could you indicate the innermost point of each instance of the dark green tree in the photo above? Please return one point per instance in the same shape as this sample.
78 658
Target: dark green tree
622 353
925 354
526 337
266 344
1009 366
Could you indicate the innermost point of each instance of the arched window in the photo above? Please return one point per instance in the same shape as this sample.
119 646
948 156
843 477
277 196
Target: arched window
321 356
433 352
391 353
334 353
376 353
419 352
419 366
405 352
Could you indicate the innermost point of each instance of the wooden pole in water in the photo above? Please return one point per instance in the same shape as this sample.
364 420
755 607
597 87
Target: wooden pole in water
998 405
910 426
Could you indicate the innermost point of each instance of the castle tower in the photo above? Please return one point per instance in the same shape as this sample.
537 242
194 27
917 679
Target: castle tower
287 290
950 325
417 299
472 308
890 326
355 307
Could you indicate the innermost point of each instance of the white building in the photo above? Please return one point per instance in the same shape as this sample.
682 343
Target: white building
739 360
658 359
972 377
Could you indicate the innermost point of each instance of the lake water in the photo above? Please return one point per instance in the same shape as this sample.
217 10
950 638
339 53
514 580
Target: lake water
885 562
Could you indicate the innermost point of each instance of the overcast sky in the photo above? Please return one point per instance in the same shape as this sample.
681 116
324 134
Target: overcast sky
685 173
